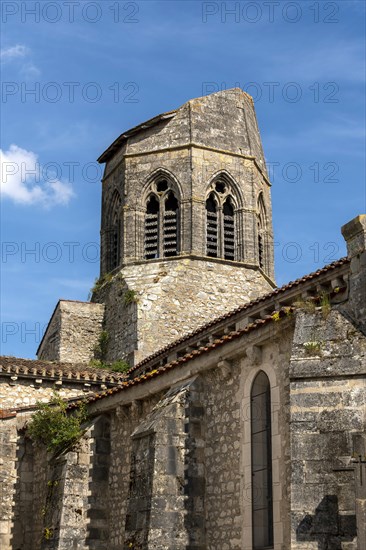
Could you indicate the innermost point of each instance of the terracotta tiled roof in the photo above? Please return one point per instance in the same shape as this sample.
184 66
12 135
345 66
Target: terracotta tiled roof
258 323
181 360
65 371
276 292
6 413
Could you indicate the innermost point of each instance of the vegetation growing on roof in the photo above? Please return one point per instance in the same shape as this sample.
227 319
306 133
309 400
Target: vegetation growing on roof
117 366
52 426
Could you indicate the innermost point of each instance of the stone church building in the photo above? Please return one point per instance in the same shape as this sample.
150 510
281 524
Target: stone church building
241 423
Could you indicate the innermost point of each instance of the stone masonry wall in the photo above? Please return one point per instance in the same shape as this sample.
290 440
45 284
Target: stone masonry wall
227 462
73 332
171 298
27 392
328 415
223 510
16 483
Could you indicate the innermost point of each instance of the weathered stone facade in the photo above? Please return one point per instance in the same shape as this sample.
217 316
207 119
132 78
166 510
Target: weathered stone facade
242 424
72 332
171 298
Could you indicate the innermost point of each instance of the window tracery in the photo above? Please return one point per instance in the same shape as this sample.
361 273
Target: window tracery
220 221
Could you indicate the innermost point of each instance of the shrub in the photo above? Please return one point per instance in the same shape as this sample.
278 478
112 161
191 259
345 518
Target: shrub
52 426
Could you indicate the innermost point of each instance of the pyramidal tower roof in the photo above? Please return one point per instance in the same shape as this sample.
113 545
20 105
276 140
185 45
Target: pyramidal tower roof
223 120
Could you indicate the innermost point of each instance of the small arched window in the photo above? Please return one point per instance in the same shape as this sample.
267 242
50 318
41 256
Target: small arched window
261 232
261 458
220 222
114 233
161 221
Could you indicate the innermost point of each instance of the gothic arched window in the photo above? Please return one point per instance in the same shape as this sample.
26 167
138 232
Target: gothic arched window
114 233
220 222
161 221
261 232
261 458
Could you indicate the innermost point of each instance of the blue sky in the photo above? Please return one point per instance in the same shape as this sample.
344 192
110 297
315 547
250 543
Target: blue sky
98 68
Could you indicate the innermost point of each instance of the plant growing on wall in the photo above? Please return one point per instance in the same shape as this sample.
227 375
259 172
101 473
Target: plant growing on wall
100 283
54 427
100 350
130 297
313 347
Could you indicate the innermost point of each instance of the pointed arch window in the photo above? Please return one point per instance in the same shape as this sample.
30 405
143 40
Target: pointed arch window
161 221
114 234
261 459
220 222
261 232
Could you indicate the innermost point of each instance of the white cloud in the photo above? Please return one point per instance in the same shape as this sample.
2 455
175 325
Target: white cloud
29 71
25 182
19 56
7 54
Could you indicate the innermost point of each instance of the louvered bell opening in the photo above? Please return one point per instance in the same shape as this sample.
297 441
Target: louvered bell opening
152 229
211 228
229 230
170 233
170 226
260 251
229 238
114 250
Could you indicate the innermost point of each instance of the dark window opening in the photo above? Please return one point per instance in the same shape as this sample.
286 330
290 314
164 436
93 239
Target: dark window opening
114 249
262 224
220 187
260 250
211 228
152 228
261 452
162 186
229 230
170 228
162 224
114 233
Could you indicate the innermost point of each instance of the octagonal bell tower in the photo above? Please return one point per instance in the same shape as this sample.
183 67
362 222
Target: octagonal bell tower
186 232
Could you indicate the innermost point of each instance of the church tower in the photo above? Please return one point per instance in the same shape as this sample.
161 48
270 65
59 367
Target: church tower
186 229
